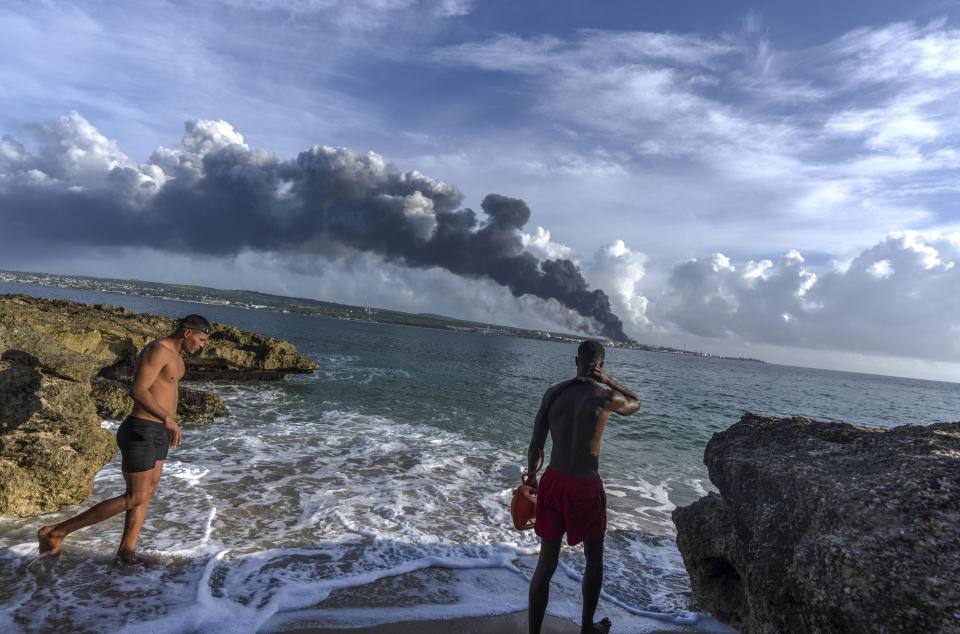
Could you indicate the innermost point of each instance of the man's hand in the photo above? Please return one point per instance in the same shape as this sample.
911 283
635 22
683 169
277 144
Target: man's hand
173 431
599 375
620 399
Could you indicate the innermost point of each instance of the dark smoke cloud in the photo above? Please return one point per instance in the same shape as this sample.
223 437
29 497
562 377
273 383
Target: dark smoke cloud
215 196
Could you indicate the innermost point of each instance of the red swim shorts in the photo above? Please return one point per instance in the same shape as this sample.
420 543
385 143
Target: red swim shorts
577 506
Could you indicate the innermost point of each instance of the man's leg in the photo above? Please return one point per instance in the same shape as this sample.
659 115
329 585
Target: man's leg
138 493
540 583
592 582
133 521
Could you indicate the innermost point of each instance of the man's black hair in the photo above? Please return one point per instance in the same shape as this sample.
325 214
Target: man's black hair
195 322
591 350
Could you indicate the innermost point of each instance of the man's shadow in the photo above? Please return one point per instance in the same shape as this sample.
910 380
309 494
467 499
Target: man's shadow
20 381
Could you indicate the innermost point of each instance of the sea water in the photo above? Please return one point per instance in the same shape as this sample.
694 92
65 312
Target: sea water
378 489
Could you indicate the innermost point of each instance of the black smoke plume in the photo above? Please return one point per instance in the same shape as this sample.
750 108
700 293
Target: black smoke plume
218 197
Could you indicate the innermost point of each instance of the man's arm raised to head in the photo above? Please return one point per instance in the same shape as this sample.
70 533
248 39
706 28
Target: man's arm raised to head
152 360
619 399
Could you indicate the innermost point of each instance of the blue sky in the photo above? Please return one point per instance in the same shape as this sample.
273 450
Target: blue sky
775 180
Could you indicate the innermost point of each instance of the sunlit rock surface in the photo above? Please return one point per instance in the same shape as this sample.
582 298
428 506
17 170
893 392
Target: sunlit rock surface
51 442
112 400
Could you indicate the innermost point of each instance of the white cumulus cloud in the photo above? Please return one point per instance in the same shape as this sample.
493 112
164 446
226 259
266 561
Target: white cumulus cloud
619 270
896 298
539 244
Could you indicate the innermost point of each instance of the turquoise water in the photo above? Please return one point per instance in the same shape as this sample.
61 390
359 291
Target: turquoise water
378 488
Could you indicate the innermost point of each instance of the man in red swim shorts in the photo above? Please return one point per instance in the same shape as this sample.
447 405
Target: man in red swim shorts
570 498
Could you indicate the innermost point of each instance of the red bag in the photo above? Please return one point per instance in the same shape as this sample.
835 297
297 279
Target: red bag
524 503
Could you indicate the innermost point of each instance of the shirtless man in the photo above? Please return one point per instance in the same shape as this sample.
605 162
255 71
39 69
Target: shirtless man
143 438
570 497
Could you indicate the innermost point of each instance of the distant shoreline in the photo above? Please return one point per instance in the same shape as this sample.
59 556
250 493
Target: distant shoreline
254 300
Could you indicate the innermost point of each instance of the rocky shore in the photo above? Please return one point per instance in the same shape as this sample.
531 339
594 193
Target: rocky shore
828 527
112 400
66 366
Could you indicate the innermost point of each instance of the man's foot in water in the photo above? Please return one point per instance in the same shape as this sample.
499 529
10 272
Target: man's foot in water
133 559
127 558
600 627
49 541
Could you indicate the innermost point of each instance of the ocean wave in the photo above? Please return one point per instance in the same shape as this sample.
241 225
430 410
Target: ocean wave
312 511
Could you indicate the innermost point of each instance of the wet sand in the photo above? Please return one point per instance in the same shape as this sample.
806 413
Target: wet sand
498 624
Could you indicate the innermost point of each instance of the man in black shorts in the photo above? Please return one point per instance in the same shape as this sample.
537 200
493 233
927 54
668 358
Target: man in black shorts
143 438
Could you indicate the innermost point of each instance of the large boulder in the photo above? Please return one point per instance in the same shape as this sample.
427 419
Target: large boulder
828 527
51 441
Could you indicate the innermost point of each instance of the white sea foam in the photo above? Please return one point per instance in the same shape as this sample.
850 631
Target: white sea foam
280 515
192 475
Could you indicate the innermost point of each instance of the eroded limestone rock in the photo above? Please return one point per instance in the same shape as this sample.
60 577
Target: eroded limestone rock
112 400
828 527
115 336
51 442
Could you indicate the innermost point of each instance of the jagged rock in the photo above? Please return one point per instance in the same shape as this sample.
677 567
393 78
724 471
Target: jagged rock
198 406
115 336
111 398
234 354
828 527
51 442
113 401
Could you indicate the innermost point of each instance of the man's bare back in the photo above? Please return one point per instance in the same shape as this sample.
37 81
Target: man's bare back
575 413
576 420
570 497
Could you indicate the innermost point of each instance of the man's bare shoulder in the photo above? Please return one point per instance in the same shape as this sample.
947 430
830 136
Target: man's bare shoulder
553 389
159 350
582 386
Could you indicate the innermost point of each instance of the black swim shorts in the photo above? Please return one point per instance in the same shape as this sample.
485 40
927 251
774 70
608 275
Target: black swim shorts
142 442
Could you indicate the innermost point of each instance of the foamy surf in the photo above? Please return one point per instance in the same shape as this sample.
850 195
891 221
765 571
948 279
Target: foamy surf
297 518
